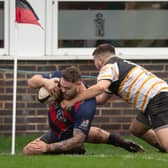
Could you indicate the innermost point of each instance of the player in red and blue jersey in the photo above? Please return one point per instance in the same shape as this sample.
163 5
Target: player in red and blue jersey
69 129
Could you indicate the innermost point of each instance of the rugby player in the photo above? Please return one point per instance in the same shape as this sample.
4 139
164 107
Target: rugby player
69 129
137 86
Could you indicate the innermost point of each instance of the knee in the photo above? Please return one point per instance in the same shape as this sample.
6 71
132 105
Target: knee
164 147
97 130
97 135
134 131
94 131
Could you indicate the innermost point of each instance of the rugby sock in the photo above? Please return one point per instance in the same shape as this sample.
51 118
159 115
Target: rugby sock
116 140
128 145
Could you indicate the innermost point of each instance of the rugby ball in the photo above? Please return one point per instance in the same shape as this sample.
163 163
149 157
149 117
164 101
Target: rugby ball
46 98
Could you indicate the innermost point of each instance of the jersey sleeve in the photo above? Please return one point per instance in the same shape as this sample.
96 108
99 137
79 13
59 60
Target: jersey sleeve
109 72
84 115
55 74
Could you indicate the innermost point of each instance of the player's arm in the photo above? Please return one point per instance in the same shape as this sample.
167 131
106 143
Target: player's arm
91 92
38 81
76 141
103 98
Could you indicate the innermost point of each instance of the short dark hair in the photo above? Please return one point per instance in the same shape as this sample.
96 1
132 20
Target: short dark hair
71 74
102 48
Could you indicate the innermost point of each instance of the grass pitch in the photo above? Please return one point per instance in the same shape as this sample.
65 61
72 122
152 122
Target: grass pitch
97 156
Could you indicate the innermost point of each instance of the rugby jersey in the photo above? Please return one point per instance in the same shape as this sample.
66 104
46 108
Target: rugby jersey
80 116
131 82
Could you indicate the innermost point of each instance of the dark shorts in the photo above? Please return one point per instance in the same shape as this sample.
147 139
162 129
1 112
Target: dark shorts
157 111
141 117
51 137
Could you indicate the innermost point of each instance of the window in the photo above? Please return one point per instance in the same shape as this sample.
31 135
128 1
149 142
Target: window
123 24
3 27
133 27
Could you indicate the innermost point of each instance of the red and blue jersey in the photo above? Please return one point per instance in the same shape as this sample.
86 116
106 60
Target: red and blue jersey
80 116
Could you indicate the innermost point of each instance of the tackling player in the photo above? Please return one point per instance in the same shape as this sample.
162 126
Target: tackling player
135 85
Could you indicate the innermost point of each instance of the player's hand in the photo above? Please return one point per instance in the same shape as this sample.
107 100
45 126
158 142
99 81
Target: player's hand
38 147
67 104
132 147
51 85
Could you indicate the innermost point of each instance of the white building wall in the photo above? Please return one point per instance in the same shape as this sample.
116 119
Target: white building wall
27 40
30 38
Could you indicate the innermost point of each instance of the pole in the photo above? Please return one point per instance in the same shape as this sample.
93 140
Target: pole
14 107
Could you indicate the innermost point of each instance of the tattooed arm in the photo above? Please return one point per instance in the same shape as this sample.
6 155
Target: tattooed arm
70 145
76 141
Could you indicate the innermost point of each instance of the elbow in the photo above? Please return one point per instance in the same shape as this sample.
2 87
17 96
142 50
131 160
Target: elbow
80 144
35 82
101 99
101 89
30 83
99 102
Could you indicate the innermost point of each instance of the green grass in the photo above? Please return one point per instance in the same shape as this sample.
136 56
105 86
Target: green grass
97 156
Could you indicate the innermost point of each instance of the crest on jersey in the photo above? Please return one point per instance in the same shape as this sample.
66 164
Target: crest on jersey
84 124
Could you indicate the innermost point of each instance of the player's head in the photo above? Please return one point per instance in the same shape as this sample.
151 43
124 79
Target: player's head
69 82
101 52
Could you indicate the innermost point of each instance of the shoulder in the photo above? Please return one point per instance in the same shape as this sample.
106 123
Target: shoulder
52 75
91 101
87 105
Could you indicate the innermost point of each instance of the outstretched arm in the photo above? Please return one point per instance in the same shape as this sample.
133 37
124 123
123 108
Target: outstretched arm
103 98
66 145
40 147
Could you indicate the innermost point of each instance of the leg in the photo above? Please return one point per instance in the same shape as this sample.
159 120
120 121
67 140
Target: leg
141 128
157 113
142 131
98 135
162 135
